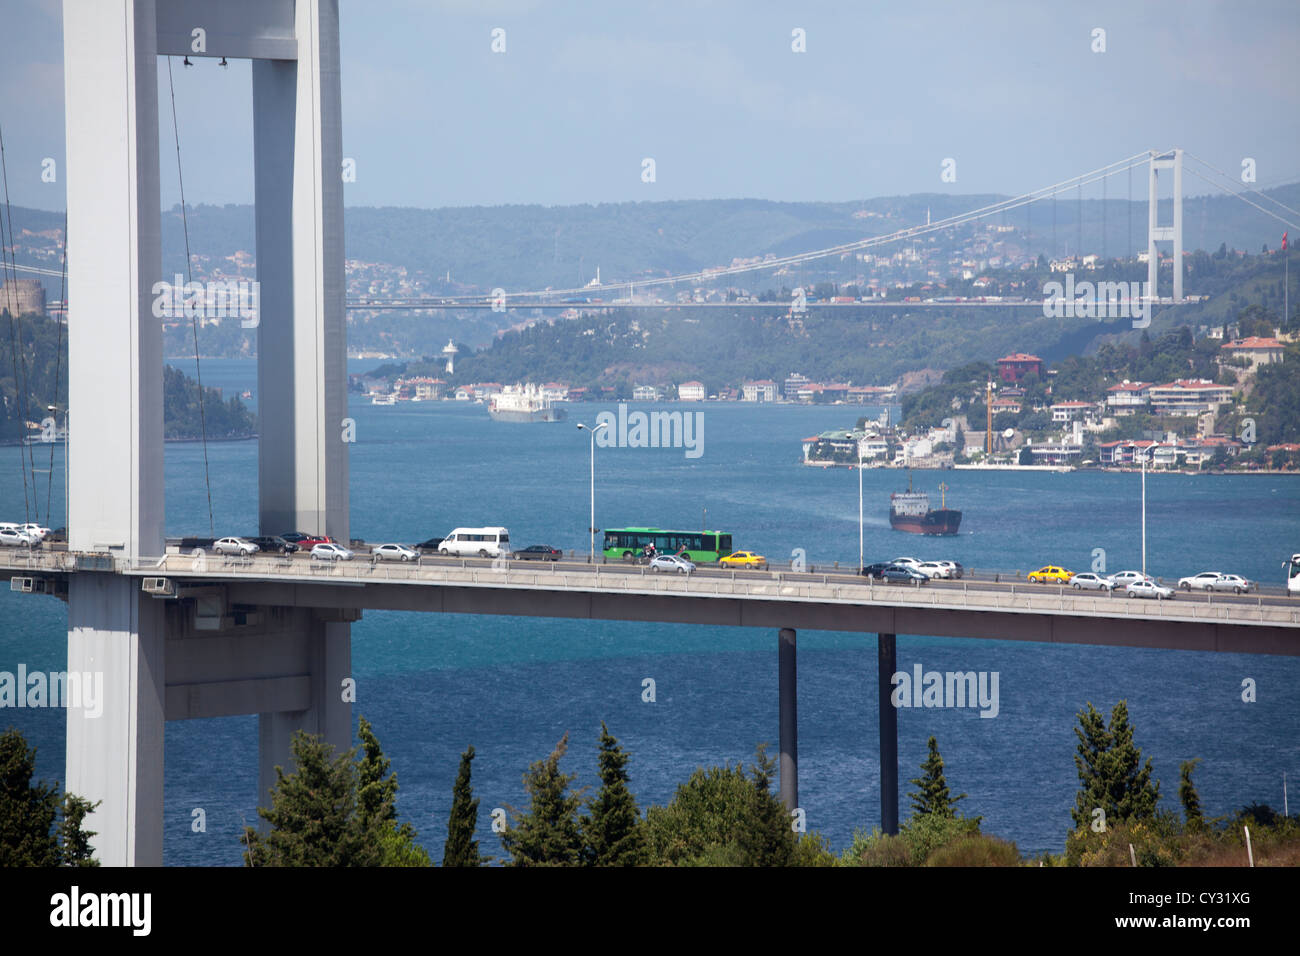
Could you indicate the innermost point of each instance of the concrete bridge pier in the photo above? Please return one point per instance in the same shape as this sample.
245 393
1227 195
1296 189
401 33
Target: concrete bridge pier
886 666
789 697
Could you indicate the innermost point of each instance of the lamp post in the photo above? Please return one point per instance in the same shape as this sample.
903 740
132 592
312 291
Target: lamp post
1144 516
861 563
591 528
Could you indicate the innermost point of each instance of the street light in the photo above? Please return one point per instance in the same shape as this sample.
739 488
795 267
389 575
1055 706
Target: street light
592 527
861 562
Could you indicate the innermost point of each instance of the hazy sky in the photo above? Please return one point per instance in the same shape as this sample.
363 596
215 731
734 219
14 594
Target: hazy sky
714 93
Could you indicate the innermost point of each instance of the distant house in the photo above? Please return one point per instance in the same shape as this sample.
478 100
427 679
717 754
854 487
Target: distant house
1189 396
1128 397
1069 411
645 393
1014 367
1258 351
691 392
1000 405
763 390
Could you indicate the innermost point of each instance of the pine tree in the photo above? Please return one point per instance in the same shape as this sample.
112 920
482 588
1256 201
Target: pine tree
461 848
377 804
32 830
548 834
766 837
932 795
314 818
1110 770
613 831
1187 795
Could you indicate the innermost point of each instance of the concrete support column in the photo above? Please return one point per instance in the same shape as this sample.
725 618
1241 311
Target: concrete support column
328 663
789 696
115 736
886 666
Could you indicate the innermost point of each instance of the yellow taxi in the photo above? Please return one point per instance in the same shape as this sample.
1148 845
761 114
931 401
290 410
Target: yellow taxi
1049 574
743 559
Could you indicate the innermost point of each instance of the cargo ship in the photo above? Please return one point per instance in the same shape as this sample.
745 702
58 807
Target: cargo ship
910 511
523 403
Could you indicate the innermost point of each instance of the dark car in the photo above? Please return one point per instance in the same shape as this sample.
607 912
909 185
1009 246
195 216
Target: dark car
430 545
273 543
539 552
904 574
294 537
876 570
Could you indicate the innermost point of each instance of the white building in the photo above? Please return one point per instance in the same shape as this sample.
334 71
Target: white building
691 392
760 391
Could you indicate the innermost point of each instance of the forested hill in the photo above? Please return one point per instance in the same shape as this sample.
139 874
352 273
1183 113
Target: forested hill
27 388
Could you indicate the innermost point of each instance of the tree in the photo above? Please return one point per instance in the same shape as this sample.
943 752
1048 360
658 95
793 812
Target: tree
768 840
613 830
461 848
37 828
1111 774
1188 796
377 804
313 814
932 789
548 834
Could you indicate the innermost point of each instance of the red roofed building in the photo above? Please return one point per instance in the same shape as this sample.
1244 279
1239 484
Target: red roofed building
1014 367
1259 351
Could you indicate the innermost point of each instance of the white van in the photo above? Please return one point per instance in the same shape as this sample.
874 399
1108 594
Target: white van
483 542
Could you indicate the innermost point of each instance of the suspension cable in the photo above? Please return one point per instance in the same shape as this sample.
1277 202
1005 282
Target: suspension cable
15 332
194 319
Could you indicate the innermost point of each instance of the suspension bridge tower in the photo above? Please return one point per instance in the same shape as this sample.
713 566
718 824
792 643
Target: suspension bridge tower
173 660
1172 160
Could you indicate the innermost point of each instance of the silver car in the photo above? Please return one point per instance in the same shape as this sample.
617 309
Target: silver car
1087 581
1232 582
670 562
1149 589
235 546
393 552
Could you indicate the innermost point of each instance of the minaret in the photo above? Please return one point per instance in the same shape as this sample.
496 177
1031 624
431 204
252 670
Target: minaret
450 351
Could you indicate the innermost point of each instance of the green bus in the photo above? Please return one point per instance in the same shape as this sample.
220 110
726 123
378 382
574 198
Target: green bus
626 544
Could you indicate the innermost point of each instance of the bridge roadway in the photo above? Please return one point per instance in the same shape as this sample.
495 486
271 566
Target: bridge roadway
838 600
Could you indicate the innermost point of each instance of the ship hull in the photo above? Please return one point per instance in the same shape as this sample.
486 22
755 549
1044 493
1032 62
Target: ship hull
541 415
942 521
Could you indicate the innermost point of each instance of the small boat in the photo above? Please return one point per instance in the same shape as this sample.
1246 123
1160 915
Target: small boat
383 400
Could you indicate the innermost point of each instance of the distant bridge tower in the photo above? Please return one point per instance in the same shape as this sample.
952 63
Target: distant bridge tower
450 351
1158 233
202 657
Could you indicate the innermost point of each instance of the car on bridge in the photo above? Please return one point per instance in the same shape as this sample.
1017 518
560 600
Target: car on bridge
232 545
539 552
1122 579
904 574
1200 582
670 562
933 569
1149 589
306 542
1087 581
273 543
431 544
329 551
877 570
34 530
15 538
1232 582
743 559
393 552
955 568
1049 573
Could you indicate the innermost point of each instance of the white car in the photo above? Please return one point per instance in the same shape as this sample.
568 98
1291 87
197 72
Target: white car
906 562
331 552
14 538
932 569
235 546
1149 589
393 552
34 530
1200 582
1232 582
955 569
670 562
1122 579
1088 581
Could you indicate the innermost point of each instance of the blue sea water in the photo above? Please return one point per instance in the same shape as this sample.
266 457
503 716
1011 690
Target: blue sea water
512 687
